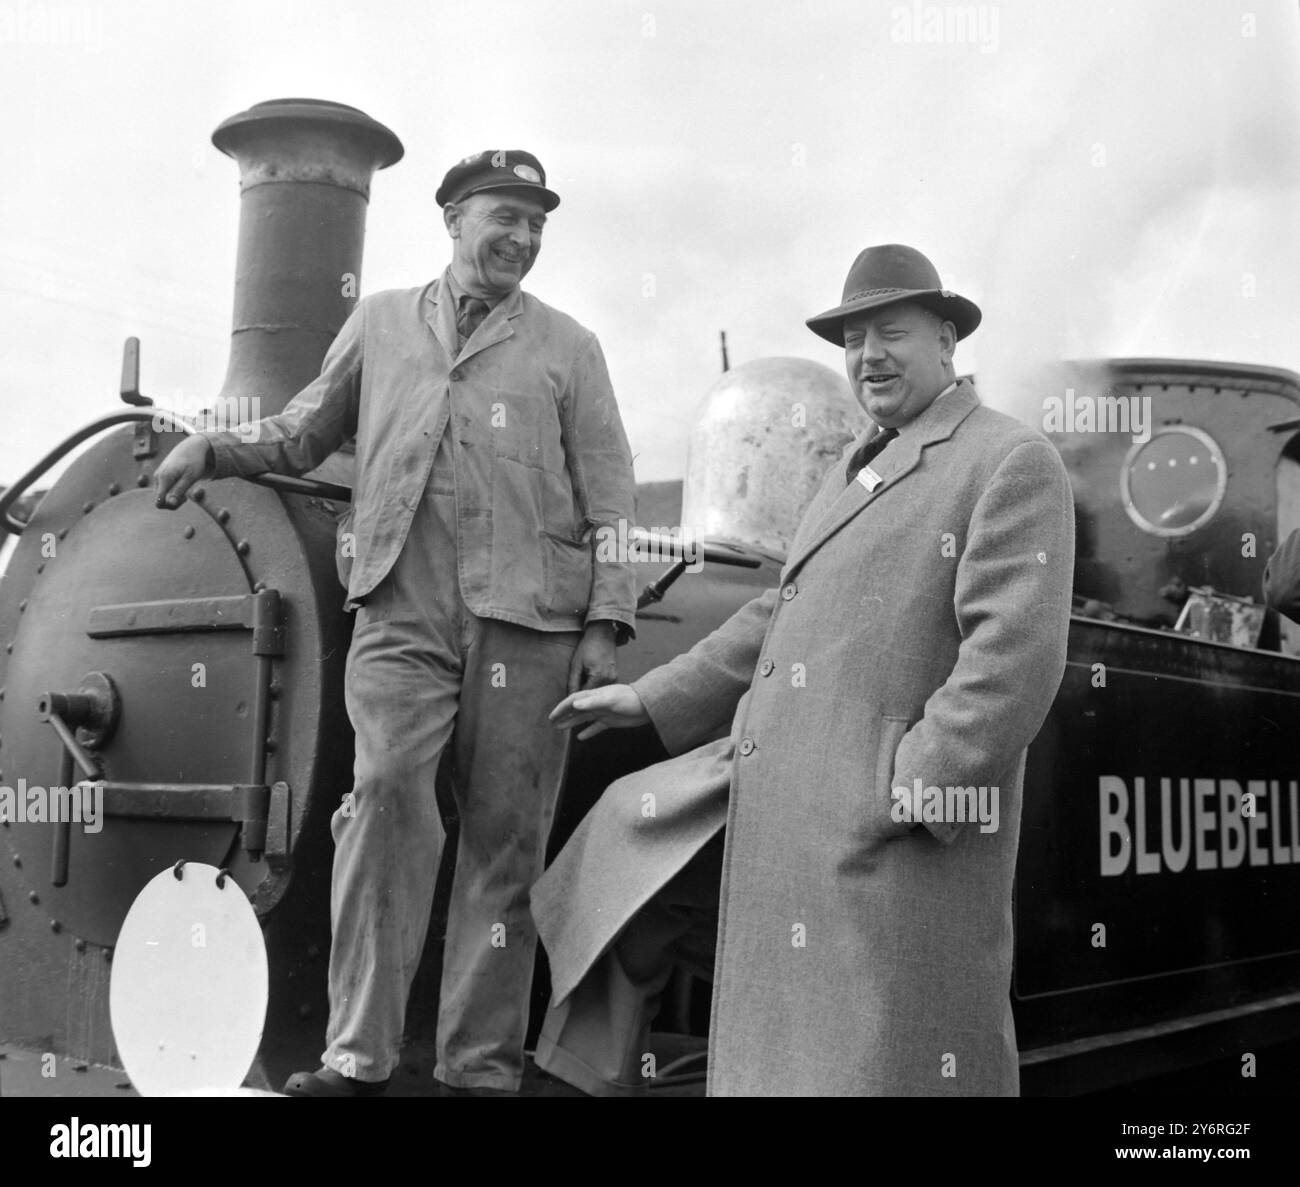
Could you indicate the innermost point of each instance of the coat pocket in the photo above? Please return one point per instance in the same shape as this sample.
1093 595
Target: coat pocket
892 731
568 575
525 427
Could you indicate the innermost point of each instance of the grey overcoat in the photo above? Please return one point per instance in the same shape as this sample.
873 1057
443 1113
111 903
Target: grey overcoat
918 634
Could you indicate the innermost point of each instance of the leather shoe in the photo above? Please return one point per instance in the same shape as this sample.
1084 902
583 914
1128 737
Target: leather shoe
328 1082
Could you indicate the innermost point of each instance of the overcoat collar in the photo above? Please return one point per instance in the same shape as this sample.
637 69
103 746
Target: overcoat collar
900 458
440 314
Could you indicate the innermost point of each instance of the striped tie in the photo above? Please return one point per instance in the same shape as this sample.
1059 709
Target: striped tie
471 315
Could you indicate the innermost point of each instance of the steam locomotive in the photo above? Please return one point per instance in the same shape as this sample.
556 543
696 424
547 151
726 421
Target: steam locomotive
193 662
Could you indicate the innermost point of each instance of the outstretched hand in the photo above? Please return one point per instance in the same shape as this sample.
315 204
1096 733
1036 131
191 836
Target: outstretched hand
615 706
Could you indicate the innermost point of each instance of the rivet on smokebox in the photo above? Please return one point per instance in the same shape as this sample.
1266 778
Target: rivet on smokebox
242 548
18 861
188 533
198 495
142 480
223 515
33 897
87 508
22 605
80 945
114 489
55 926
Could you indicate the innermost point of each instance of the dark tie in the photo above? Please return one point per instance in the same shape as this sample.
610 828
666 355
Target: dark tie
869 451
471 315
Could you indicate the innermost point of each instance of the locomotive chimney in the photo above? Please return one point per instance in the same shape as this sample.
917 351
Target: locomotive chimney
305 167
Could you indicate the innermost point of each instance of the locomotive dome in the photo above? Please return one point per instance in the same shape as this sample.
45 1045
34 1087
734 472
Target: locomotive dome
762 440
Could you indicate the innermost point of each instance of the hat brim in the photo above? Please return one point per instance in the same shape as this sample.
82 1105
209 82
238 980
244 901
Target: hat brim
548 198
965 315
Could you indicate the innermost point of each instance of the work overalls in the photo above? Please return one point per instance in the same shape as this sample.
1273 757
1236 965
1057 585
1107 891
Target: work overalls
424 673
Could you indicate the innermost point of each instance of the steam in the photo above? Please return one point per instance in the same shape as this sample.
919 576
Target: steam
1159 203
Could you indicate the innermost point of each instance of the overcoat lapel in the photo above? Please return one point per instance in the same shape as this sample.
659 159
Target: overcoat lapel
894 463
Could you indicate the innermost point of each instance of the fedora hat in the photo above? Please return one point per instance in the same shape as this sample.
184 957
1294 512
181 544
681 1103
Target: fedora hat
889 274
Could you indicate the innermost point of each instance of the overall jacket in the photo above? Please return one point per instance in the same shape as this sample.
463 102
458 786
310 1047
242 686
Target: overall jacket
540 457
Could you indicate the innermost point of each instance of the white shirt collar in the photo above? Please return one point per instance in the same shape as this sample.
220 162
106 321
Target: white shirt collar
950 388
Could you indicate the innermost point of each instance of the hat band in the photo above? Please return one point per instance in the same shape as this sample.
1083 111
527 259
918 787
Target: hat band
878 292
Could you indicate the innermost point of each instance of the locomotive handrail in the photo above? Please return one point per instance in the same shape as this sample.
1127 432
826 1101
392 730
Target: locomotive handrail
279 482
304 486
15 527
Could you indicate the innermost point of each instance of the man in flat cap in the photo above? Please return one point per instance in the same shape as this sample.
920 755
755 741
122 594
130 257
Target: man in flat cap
881 700
489 450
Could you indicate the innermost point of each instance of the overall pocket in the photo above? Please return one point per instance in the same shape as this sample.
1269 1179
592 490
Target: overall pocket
568 574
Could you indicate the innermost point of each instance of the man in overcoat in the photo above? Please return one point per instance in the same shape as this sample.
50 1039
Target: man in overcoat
1282 578
489 451
881 700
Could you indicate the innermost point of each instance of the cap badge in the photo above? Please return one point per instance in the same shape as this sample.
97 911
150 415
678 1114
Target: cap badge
528 173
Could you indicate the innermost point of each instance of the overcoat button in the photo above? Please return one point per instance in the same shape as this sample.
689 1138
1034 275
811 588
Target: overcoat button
789 591
746 745
767 667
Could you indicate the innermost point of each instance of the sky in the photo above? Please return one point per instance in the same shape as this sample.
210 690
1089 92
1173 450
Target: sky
1102 179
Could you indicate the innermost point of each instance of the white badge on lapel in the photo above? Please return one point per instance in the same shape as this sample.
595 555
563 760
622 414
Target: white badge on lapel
869 478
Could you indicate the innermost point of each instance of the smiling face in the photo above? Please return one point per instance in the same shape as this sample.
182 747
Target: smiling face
898 359
496 236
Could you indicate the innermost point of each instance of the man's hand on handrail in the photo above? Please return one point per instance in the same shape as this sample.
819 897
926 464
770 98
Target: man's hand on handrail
190 462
